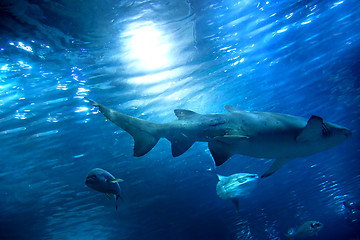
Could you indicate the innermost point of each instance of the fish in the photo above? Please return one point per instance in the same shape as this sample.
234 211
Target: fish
236 186
102 181
352 215
256 134
352 206
307 229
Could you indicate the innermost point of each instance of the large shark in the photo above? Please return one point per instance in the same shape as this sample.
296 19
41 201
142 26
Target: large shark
256 134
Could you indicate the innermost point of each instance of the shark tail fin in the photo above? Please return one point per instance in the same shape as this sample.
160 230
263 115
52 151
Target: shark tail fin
145 133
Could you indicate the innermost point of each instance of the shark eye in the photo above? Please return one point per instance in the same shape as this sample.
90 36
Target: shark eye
325 131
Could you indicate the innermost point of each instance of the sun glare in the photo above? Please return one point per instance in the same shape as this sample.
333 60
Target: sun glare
147 47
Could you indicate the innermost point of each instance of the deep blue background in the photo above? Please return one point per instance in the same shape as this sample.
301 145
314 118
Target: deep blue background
146 58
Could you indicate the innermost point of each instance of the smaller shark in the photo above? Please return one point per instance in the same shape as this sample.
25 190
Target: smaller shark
102 181
307 229
236 186
256 134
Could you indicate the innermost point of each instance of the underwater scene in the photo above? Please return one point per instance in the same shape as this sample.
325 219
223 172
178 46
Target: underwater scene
181 119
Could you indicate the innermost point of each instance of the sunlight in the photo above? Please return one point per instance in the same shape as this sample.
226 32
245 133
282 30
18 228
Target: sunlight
147 47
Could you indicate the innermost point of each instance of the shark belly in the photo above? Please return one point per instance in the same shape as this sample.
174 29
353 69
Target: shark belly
274 149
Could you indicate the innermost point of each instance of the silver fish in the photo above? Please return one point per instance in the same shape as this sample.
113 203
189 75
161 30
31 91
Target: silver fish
102 181
236 186
307 229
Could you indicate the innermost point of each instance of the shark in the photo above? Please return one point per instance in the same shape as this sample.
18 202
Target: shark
265 135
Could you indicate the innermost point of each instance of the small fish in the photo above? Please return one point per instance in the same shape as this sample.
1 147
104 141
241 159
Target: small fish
308 229
352 215
352 206
102 181
236 186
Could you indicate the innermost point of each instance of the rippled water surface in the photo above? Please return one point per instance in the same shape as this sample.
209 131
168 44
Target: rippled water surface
145 59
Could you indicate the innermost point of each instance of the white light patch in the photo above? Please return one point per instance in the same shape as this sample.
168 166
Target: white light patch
81 109
282 30
306 22
147 47
24 47
4 67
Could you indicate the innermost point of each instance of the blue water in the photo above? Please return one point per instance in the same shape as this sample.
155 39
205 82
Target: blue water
146 58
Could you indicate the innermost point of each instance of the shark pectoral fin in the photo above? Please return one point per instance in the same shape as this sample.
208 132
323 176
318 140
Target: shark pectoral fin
276 165
313 130
180 144
107 195
144 142
219 151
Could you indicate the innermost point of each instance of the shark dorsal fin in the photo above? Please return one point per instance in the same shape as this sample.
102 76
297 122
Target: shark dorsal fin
184 114
313 130
231 108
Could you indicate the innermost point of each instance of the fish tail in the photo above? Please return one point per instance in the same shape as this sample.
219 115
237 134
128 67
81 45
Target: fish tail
145 133
235 201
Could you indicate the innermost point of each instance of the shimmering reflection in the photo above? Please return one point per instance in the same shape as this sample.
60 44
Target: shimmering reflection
22 46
